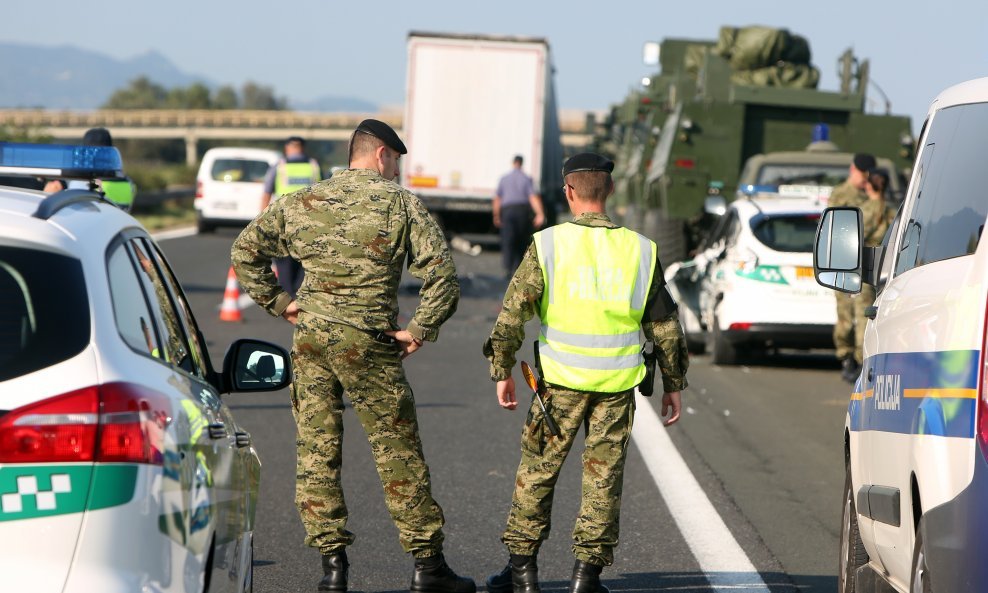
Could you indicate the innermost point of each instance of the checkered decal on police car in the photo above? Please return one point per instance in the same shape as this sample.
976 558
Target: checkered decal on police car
44 500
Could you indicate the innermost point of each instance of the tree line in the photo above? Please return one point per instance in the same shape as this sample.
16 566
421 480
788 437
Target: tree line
143 93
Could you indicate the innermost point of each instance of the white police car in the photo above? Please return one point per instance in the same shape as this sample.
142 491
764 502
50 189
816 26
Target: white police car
121 469
751 286
916 435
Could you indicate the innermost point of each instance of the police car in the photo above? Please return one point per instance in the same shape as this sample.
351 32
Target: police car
751 286
121 468
915 516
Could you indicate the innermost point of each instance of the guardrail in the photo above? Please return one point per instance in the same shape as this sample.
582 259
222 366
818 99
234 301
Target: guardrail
146 201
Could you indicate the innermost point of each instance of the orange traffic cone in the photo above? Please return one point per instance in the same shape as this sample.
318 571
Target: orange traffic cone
230 310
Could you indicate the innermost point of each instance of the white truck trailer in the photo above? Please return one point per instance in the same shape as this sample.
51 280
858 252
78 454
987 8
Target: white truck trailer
474 102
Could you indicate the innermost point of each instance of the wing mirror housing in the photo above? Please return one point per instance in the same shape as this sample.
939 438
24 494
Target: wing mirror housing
255 365
838 258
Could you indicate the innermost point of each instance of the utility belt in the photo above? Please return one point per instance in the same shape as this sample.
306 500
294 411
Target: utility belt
376 335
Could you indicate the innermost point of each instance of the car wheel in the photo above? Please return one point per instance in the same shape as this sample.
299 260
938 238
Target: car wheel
921 582
852 551
249 577
721 350
696 343
204 226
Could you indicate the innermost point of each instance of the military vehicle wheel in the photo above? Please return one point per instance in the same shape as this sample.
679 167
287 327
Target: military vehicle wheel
696 343
921 582
721 350
852 552
670 238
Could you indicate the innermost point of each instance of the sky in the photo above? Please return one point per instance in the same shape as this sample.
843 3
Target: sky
308 48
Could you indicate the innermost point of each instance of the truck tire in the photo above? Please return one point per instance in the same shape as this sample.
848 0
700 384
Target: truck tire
852 551
669 234
721 350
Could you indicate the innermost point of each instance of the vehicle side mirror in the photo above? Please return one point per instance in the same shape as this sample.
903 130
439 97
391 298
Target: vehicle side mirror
715 205
255 365
837 254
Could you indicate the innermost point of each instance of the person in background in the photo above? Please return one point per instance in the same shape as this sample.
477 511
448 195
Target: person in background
850 193
120 191
876 216
517 209
293 172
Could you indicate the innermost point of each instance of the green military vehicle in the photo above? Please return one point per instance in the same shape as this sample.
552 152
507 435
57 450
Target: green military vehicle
690 131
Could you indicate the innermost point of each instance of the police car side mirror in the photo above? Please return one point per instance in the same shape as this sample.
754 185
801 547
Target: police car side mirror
255 365
715 205
837 254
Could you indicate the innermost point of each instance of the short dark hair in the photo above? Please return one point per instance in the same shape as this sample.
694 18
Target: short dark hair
592 186
879 180
362 144
519 159
298 139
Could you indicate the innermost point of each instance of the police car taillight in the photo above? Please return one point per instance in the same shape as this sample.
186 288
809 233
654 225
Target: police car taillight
116 422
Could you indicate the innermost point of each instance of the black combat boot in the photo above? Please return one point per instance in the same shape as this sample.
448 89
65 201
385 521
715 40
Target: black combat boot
521 575
586 578
433 575
335 566
849 369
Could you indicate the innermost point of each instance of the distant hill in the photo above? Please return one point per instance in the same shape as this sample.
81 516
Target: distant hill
68 77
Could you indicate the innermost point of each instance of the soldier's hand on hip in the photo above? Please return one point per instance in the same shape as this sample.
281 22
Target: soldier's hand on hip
406 341
291 312
506 394
674 401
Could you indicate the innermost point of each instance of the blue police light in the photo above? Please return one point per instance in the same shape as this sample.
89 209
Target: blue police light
821 133
59 160
750 190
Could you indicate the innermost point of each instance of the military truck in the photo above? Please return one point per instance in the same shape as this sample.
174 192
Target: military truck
714 105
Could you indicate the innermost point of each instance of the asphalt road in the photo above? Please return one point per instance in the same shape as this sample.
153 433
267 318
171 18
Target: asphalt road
762 441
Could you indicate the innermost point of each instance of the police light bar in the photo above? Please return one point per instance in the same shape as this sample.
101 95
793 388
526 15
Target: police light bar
60 160
751 190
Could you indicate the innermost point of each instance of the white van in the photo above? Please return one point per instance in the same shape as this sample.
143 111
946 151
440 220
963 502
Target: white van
916 433
230 184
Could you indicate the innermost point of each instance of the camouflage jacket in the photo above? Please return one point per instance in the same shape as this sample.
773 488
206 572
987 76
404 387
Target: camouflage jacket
352 234
876 216
846 194
522 302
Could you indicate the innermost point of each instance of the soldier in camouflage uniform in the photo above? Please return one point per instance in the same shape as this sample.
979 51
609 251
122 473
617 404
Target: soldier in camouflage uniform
606 414
875 217
352 234
850 193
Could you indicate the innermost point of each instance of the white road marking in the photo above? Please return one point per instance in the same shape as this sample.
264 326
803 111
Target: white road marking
723 562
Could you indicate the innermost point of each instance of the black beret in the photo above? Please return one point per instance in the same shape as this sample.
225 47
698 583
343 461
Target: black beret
864 162
587 161
381 130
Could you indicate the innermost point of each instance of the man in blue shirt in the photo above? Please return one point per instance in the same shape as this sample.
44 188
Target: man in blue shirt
517 212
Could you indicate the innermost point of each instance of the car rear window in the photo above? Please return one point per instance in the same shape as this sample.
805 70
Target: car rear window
239 170
789 232
44 310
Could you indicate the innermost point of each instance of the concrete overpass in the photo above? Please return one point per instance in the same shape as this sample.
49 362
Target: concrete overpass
192 125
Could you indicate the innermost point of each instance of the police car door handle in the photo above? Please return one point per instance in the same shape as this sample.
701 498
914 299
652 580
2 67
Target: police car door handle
871 311
871 375
217 430
243 438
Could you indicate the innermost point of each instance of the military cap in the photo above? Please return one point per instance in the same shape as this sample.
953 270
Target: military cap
864 162
384 132
587 161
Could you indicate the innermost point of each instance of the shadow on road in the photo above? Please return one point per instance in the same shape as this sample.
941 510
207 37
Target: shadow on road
689 582
823 360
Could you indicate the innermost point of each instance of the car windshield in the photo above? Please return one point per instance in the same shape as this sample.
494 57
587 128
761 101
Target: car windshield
802 174
44 310
239 170
788 232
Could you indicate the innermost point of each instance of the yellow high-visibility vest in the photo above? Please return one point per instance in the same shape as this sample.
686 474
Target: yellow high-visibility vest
596 283
294 176
119 191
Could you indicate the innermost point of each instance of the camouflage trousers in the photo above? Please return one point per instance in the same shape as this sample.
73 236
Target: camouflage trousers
851 321
607 418
330 359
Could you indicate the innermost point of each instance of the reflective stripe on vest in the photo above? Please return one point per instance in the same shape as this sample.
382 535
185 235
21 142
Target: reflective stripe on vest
118 191
294 176
596 283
